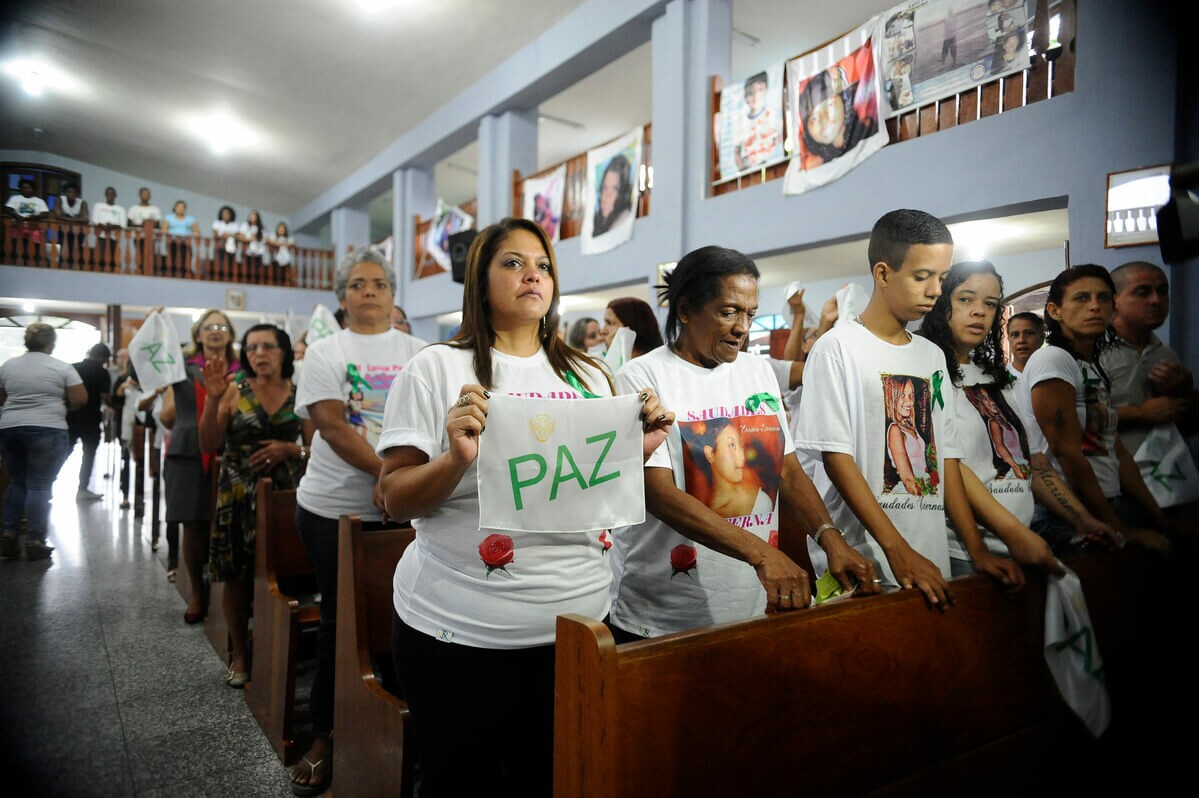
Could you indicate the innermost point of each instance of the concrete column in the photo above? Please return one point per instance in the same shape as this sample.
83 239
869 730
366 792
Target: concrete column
412 195
506 142
351 228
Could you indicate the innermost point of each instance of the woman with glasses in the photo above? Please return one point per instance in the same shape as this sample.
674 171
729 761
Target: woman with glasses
252 414
186 472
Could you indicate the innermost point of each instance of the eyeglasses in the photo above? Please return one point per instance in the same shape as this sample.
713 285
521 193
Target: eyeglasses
216 327
265 347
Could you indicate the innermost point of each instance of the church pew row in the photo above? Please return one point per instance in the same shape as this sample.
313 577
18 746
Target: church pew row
284 583
882 696
373 754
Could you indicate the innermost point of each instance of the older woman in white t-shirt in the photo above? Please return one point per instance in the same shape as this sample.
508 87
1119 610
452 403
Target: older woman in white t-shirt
343 388
473 603
709 552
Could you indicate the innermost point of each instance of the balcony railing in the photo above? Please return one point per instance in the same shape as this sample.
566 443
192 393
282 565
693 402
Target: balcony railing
148 251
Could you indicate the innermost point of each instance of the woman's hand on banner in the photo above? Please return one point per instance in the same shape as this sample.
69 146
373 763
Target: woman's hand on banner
465 423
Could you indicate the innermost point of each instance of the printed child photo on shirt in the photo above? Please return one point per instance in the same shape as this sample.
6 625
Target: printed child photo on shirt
911 463
733 465
1009 445
366 397
1098 436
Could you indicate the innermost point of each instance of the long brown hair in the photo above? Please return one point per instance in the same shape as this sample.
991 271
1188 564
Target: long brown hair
476 331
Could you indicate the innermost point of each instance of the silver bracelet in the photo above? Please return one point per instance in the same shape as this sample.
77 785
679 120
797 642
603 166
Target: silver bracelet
820 530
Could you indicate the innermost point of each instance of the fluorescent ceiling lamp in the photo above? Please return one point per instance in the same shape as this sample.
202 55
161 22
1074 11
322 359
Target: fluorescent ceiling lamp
560 121
372 7
37 76
747 38
973 240
221 130
28 307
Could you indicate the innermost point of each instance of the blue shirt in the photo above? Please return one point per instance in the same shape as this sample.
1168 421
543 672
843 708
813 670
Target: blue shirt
180 227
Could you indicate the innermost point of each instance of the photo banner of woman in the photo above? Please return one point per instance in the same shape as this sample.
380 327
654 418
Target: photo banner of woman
611 193
733 464
833 94
447 220
751 123
544 459
930 49
543 201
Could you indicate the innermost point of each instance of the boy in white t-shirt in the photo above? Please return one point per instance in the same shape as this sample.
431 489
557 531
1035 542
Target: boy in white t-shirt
876 427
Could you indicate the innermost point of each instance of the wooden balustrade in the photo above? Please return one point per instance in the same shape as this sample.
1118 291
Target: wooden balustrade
147 251
1041 81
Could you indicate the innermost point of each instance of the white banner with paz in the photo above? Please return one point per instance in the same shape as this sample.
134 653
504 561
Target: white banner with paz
155 354
561 465
322 324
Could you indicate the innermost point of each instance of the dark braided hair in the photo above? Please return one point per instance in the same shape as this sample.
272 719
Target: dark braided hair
1056 336
988 355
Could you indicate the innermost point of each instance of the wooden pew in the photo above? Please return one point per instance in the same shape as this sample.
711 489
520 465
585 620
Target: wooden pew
875 696
215 627
373 753
283 582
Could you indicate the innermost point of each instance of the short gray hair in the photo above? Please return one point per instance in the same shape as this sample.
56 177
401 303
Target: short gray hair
362 255
40 337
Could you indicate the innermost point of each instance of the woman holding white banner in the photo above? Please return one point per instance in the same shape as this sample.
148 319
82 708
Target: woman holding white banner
188 497
735 463
491 597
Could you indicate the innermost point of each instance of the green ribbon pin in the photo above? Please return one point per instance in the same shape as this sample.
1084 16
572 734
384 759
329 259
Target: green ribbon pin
763 398
938 379
578 386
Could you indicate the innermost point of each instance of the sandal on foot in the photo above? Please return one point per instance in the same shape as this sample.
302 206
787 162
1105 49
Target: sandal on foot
237 680
311 788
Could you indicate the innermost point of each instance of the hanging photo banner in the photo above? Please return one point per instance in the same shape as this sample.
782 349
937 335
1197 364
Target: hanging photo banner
751 123
448 219
561 465
611 193
543 201
930 49
833 96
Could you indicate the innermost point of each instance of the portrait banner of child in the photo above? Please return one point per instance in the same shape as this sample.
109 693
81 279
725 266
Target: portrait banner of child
751 123
542 202
611 193
833 94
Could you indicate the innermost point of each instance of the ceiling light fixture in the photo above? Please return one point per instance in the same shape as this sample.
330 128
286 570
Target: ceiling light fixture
221 130
29 307
36 77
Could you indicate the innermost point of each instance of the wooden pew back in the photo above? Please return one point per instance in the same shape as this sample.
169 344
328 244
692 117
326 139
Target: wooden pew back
373 728
282 573
875 695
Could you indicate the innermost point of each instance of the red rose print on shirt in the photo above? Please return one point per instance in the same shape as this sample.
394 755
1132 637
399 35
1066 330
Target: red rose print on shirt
605 541
683 560
496 551
774 538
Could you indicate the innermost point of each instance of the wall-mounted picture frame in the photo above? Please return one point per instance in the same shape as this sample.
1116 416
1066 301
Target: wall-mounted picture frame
1133 198
235 299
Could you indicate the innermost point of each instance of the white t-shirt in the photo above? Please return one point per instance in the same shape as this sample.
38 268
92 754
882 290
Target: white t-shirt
103 213
283 254
995 446
356 370
140 213
27 206
1016 375
1096 413
728 456
254 246
442 585
228 231
36 384
878 403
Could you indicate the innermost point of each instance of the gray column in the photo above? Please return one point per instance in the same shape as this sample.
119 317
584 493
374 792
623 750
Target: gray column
350 228
413 195
506 142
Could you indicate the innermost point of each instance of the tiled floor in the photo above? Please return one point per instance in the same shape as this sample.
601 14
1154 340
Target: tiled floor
103 689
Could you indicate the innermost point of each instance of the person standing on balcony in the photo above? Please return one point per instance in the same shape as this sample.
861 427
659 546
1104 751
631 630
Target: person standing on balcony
72 210
180 226
226 234
141 213
108 218
26 207
254 237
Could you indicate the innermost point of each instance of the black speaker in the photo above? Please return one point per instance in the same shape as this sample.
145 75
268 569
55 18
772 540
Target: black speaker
459 245
1178 219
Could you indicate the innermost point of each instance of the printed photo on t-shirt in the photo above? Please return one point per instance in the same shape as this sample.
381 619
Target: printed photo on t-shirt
1098 436
911 462
368 386
1009 444
733 465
